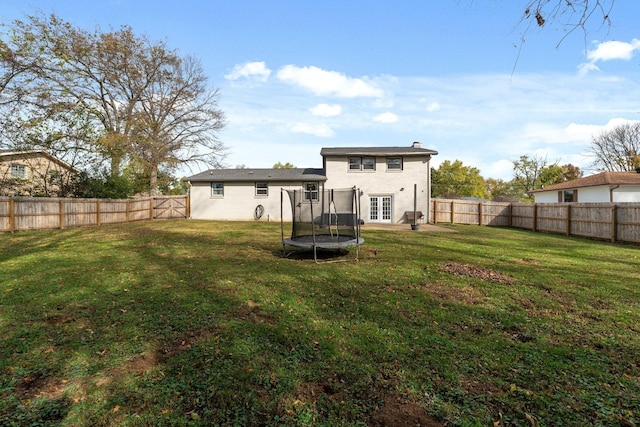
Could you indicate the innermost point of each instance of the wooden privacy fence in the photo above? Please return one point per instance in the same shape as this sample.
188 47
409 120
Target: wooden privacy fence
617 222
36 213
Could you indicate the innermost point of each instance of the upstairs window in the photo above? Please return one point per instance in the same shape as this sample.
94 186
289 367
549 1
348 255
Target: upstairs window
18 171
368 163
362 163
262 189
355 163
394 163
55 177
217 189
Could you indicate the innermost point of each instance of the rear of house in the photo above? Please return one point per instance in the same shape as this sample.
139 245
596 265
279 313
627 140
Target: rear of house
386 177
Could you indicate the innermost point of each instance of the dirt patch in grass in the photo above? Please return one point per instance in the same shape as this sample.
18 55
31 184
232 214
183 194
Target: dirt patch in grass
477 272
394 411
252 312
399 412
448 293
33 386
311 391
478 388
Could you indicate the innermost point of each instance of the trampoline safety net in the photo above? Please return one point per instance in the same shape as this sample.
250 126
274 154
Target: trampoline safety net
324 219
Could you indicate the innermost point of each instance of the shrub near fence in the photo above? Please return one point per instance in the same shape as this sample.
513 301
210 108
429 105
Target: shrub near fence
617 222
36 213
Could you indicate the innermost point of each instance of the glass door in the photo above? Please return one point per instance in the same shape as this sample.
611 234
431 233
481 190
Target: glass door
380 208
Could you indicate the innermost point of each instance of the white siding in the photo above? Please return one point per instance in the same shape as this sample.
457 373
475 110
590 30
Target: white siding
599 194
596 194
547 197
396 183
239 201
627 194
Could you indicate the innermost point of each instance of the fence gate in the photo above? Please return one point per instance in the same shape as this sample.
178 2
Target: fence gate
170 207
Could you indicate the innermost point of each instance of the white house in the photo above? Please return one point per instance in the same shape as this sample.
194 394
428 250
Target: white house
386 176
605 187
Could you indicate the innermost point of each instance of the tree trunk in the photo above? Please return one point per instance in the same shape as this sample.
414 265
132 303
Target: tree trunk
153 180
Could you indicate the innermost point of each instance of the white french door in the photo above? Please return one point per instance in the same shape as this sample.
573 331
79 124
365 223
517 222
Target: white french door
380 208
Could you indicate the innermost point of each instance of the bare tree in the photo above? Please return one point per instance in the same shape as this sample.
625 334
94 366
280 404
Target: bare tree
618 149
177 119
571 14
130 98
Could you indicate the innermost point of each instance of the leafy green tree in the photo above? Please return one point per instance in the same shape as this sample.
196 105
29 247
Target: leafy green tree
453 180
500 190
531 173
281 165
103 186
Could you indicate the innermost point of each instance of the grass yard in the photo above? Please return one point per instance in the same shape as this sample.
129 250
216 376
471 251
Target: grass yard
204 323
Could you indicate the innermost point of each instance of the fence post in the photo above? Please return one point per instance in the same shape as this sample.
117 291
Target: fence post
152 202
128 210
61 213
480 213
12 216
98 213
568 230
435 211
453 204
614 223
187 208
535 217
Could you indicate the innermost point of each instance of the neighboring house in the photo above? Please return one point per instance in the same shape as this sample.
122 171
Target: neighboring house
32 173
605 187
386 177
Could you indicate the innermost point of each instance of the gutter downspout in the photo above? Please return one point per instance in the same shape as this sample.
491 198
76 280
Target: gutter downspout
611 190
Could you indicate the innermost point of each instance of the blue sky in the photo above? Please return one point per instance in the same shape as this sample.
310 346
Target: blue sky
296 76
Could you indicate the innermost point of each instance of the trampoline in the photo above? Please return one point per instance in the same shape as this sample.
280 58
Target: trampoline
328 219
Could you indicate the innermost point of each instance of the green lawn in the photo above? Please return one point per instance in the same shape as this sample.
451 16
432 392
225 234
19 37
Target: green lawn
204 323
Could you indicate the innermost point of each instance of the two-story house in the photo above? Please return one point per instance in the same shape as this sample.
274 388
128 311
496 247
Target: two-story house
388 178
33 173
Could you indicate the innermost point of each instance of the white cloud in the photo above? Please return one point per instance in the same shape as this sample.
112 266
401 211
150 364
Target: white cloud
324 83
255 70
326 110
321 130
387 117
434 106
608 51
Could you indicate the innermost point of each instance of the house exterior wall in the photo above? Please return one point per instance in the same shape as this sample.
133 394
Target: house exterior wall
240 201
39 179
596 194
383 182
627 194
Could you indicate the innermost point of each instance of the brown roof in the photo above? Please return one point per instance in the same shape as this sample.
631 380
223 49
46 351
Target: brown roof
604 178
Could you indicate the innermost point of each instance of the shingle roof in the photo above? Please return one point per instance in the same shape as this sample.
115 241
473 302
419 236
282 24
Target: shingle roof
604 178
377 151
264 175
32 153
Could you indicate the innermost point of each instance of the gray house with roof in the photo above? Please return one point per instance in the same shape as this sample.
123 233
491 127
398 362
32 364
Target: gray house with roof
388 178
